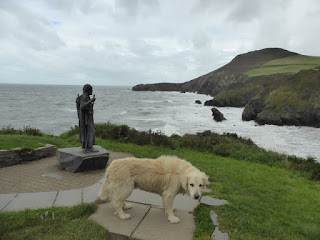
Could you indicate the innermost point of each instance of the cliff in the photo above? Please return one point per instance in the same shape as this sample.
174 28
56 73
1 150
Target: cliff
295 101
214 82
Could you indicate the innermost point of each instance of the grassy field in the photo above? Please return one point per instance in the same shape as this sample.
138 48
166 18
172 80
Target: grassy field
291 64
265 201
70 223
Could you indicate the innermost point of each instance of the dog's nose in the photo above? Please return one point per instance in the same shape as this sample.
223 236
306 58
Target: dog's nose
196 196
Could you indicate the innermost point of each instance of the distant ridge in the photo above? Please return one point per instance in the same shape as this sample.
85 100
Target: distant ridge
214 82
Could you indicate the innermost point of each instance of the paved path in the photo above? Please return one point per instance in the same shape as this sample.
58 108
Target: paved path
45 176
39 186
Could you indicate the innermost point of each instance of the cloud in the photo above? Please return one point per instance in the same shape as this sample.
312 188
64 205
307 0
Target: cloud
126 42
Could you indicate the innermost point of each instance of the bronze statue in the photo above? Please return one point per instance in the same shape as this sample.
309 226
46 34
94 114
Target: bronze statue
85 116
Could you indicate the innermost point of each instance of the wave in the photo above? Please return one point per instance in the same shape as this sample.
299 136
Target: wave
167 130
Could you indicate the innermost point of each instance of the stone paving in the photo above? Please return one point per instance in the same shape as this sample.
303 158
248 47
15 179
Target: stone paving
45 175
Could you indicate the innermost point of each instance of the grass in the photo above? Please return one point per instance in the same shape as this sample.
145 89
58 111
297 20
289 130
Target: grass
291 64
29 138
266 201
9 142
71 223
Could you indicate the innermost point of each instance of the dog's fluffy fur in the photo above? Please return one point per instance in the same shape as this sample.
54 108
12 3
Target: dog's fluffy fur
166 176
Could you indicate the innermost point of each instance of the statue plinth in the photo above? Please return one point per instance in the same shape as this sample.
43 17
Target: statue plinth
76 160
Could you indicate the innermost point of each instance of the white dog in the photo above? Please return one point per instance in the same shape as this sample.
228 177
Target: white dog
166 176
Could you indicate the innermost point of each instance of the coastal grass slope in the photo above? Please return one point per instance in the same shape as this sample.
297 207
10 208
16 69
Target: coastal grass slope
292 64
266 201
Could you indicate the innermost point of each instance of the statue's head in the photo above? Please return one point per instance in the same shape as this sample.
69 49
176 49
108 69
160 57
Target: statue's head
87 89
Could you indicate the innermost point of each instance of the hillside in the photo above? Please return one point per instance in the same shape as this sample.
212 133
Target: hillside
296 101
216 81
292 64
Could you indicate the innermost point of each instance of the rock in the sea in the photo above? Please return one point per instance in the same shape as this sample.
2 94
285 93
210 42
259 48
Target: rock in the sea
217 115
252 109
266 117
75 160
198 102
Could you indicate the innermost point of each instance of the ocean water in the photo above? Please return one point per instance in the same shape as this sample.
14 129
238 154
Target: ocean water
52 109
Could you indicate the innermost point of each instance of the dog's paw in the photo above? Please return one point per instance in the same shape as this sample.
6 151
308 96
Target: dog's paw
173 219
125 216
99 201
126 206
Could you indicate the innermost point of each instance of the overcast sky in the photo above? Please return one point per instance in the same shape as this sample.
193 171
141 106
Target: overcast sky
127 42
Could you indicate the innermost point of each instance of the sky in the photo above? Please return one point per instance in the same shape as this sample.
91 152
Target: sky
129 42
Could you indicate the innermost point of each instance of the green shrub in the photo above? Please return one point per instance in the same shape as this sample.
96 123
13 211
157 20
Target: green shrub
26 130
125 134
226 145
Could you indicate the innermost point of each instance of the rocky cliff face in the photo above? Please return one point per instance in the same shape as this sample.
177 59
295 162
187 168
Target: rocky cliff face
158 87
216 81
296 101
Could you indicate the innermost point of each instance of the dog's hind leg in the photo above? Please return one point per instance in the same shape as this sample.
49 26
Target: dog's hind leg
104 192
126 206
118 198
167 200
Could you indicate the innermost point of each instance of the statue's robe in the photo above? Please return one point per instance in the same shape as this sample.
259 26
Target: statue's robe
86 124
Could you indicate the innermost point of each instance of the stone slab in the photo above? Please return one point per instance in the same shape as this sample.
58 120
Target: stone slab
5 199
155 226
115 226
75 160
181 202
218 235
32 201
90 194
185 203
214 218
69 198
213 201
140 196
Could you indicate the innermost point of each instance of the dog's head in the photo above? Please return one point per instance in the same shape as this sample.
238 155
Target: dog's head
194 183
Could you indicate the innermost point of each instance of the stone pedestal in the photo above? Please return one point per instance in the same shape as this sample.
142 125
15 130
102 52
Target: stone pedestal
75 160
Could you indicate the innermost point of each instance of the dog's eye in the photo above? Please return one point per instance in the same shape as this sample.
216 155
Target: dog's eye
200 185
191 184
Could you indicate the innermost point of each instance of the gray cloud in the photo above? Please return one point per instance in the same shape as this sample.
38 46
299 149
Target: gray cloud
139 41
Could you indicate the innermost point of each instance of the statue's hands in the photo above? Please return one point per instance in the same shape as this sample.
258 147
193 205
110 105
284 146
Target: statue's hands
93 98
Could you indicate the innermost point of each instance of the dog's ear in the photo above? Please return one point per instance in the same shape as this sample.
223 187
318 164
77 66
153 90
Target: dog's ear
205 180
184 181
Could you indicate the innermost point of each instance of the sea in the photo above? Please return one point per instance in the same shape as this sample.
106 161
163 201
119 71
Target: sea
52 109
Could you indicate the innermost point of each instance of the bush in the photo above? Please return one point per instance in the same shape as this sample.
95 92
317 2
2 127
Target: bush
226 145
26 130
125 134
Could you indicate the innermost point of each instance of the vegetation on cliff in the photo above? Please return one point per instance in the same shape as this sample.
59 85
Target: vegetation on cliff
295 102
292 64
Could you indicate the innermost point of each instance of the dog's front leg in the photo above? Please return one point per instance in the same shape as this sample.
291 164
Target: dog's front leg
168 207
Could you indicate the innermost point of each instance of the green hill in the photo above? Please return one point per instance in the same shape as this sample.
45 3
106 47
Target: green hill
292 64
